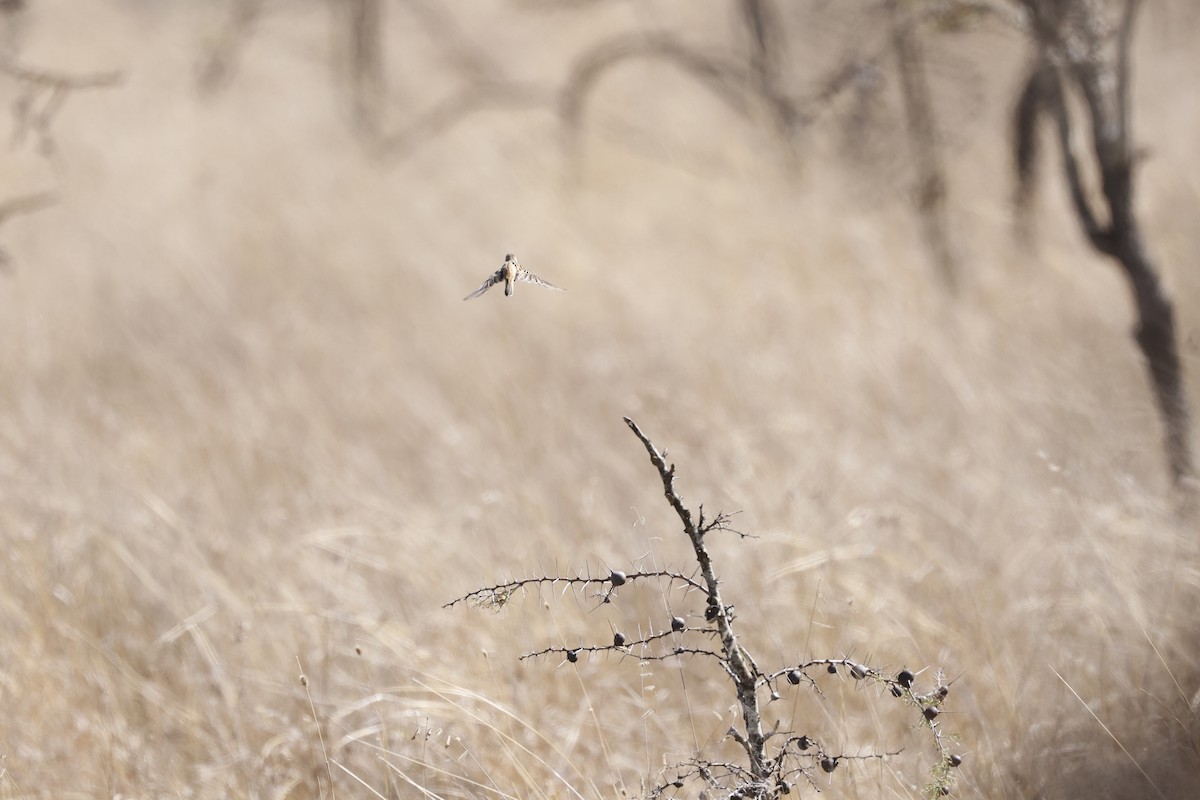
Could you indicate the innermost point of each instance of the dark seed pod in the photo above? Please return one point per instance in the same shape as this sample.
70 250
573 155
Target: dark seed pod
572 656
955 759
618 639
677 624
931 713
785 787
945 790
617 578
858 671
678 784
832 669
794 676
774 696
804 742
711 612
905 678
829 763
943 691
897 691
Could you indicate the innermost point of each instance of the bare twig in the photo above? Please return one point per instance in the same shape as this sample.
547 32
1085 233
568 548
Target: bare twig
630 649
498 596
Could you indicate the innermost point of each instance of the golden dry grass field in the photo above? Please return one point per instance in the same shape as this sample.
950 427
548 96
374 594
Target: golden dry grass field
249 427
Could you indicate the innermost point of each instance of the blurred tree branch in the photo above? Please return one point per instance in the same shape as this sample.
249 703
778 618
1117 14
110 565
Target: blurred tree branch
470 99
42 95
219 61
725 77
757 81
16 206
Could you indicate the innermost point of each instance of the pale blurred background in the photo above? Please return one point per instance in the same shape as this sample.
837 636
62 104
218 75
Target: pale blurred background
248 421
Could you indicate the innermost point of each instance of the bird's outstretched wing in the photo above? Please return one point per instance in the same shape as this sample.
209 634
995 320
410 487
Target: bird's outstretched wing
527 276
493 279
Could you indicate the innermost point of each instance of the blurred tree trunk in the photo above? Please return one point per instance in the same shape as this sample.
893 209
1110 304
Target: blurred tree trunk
923 142
1084 45
361 47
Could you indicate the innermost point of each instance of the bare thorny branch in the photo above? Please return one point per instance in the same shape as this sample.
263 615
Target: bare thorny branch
497 596
637 648
769 771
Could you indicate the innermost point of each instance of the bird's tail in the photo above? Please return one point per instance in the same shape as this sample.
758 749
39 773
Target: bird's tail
508 288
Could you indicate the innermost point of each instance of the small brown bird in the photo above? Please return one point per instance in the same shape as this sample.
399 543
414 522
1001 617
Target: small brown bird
510 273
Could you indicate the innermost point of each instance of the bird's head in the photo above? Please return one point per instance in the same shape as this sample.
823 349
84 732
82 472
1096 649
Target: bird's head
509 257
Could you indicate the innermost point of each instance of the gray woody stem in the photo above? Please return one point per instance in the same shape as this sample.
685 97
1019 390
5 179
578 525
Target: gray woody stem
738 663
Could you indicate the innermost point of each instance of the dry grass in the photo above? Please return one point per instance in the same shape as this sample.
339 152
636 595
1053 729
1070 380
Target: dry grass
246 419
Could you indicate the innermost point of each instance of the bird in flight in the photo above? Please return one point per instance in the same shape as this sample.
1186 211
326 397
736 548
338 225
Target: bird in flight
508 274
